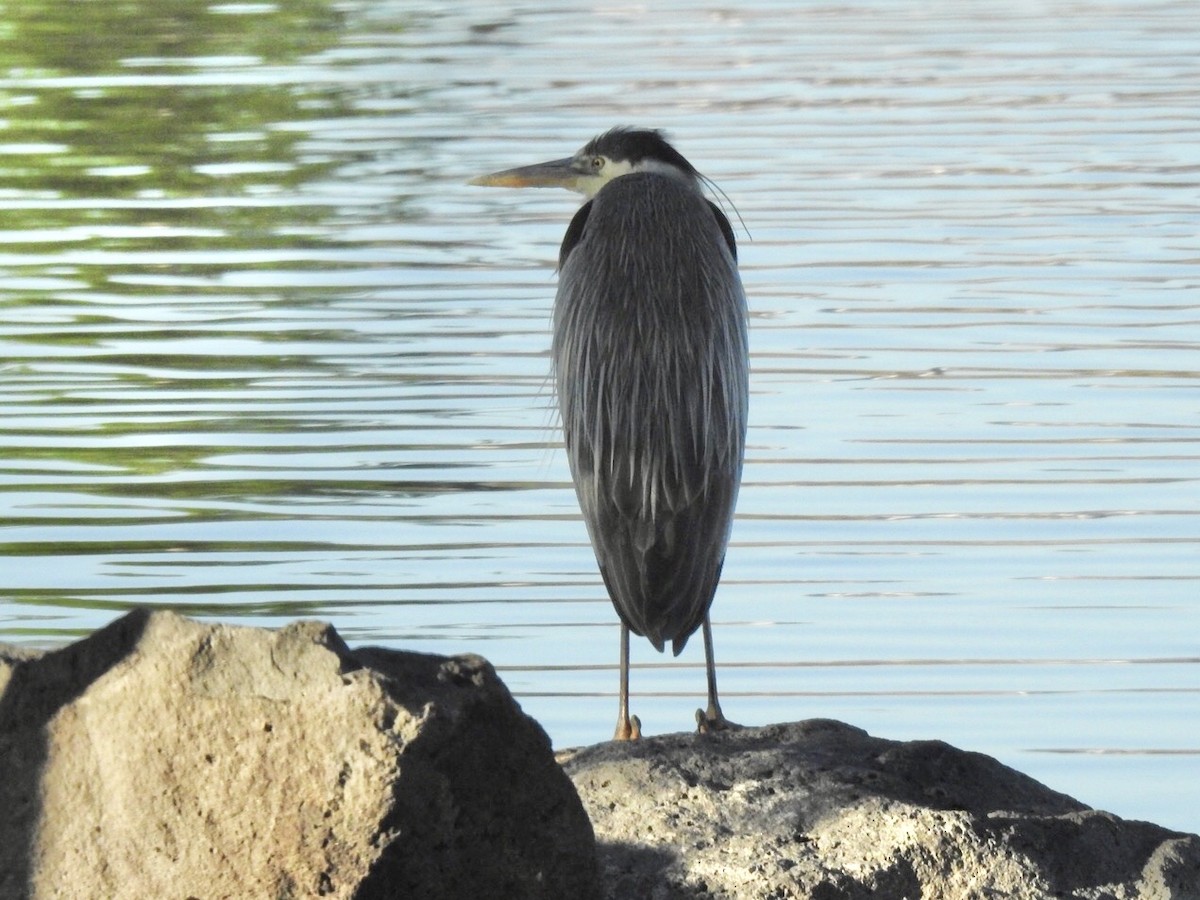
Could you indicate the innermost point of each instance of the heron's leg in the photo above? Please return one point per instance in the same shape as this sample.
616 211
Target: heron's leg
629 728
712 719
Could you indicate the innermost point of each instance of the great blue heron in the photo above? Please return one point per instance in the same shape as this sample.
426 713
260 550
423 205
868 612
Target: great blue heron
652 371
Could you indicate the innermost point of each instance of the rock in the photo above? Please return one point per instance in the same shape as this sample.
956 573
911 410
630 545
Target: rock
823 810
161 757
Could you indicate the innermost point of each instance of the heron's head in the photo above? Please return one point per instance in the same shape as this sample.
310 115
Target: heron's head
617 152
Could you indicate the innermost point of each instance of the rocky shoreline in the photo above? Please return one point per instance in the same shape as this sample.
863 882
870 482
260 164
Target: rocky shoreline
163 757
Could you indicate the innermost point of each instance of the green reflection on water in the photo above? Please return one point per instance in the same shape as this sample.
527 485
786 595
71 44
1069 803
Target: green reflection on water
55 37
121 131
139 127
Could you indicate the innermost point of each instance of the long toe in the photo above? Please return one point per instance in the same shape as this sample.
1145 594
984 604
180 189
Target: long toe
628 729
713 720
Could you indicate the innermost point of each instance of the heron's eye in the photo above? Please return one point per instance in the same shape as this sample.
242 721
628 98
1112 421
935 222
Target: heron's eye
597 163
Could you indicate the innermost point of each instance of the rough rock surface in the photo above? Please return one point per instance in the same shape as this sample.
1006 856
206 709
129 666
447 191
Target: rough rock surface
823 810
161 757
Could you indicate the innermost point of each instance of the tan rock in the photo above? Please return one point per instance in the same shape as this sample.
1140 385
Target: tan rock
161 757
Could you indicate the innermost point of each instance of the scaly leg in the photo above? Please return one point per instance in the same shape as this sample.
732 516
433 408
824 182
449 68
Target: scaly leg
713 719
629 728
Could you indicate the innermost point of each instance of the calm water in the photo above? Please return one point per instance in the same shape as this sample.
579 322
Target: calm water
265 355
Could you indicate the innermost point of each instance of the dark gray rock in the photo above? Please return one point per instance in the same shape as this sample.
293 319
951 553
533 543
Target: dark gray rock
161 757
823 810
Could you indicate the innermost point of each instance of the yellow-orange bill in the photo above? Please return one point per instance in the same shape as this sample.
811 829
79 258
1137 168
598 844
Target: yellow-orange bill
556 173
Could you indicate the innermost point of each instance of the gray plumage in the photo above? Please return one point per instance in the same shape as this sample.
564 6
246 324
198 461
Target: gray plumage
651 366
652 370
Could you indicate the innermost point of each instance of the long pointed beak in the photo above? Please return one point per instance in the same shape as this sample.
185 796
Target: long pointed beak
556 173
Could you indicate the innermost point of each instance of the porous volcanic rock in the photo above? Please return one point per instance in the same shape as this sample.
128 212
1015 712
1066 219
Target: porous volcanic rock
823 811
162 757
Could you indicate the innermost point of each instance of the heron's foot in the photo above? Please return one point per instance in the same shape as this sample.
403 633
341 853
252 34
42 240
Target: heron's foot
629 728
713 720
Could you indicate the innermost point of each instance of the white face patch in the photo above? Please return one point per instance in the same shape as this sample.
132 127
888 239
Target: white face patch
597 171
